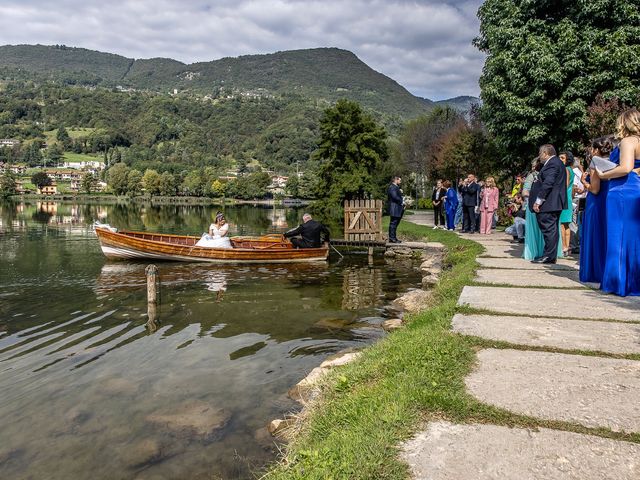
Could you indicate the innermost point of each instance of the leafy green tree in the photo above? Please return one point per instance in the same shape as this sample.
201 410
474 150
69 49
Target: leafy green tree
168 184
218 188
32 155
151 182
193 184
351 152
63 137
547 61
41 179
134 182
88 183
117 178
8 184
54 154
421 138
292 187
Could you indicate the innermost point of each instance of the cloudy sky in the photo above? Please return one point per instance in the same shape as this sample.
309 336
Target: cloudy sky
424 45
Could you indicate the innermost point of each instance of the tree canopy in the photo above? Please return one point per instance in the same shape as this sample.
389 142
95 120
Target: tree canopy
546 63
352 152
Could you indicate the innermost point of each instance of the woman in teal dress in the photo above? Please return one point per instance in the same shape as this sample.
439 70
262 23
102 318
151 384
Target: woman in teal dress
533 239
621 274
566 216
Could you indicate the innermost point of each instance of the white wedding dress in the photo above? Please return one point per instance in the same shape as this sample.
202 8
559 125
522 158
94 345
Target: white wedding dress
217 240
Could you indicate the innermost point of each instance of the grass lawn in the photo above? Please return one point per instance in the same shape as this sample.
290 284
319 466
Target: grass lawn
80 157
414 374
50 135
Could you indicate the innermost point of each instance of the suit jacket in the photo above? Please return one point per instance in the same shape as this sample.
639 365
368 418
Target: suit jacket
470 195
311 233
551 186
443 193
489 199
395 200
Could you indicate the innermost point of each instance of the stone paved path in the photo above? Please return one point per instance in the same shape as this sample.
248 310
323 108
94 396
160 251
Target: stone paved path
543 307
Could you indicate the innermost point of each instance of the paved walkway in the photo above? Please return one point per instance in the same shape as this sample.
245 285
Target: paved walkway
560 368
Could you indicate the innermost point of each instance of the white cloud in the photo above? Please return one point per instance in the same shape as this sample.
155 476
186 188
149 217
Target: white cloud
423 45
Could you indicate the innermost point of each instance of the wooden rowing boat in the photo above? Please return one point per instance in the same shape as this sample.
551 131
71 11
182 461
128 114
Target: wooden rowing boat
159 246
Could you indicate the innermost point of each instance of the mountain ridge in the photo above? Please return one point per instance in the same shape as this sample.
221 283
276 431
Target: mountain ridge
326 73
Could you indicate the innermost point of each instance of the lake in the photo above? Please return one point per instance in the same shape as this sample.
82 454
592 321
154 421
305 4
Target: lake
90 389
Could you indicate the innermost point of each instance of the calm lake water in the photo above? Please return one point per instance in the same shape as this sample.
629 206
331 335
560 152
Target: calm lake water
88 389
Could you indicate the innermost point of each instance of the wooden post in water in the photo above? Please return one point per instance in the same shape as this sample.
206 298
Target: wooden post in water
152 296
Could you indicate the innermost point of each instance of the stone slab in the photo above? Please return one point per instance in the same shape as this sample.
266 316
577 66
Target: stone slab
530 278
503 251
522 264
584 304
609 337
591 391
445 451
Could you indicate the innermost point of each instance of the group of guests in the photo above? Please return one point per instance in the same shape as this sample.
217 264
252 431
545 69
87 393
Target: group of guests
473 203
610 240
546 205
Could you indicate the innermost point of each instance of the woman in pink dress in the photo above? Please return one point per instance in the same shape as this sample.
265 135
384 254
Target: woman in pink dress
488 205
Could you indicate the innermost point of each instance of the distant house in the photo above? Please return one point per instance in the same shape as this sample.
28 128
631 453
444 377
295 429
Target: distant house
9 142
48 189
15 169
75 185
63 174
91 165
19 187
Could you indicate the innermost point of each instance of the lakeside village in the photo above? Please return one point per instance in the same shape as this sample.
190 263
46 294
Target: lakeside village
85 174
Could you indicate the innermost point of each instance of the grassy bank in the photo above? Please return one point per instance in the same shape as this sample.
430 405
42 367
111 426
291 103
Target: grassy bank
413 375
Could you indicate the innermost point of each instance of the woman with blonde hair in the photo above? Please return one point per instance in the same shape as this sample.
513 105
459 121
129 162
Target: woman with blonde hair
622 263
488 205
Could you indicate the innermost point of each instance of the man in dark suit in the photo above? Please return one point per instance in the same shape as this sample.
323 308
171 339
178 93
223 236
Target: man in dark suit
310 234
548 197
469 191
396 207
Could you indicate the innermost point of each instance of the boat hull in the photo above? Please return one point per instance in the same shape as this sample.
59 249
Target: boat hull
152 246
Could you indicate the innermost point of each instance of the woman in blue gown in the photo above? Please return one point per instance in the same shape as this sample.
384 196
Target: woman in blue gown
450 205
533 239
593 237
622 264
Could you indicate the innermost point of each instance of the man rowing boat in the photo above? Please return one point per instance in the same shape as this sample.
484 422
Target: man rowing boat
309 234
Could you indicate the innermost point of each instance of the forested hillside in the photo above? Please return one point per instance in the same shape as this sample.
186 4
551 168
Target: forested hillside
321 73
160 113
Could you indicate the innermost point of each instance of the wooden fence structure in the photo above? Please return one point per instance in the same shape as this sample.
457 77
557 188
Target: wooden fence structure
363 220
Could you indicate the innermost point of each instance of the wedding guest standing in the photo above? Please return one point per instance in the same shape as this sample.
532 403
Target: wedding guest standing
469 190
488 205
566 216
548 199
396 207
622 264
593 237
450 204
437 199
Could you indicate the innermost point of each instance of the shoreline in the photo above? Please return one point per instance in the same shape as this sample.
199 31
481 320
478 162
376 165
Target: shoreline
108 199
365 409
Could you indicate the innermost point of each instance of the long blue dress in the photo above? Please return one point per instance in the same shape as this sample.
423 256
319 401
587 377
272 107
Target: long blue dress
622 265
593 236
451 206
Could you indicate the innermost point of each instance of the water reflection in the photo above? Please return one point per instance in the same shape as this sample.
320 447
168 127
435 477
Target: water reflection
89 374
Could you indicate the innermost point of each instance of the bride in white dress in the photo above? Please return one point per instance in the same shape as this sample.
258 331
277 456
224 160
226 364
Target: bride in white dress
217 236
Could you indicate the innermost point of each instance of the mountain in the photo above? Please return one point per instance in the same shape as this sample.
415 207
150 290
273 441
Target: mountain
462 104
321 73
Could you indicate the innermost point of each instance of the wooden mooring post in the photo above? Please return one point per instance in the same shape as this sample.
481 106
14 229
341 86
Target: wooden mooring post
152 296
